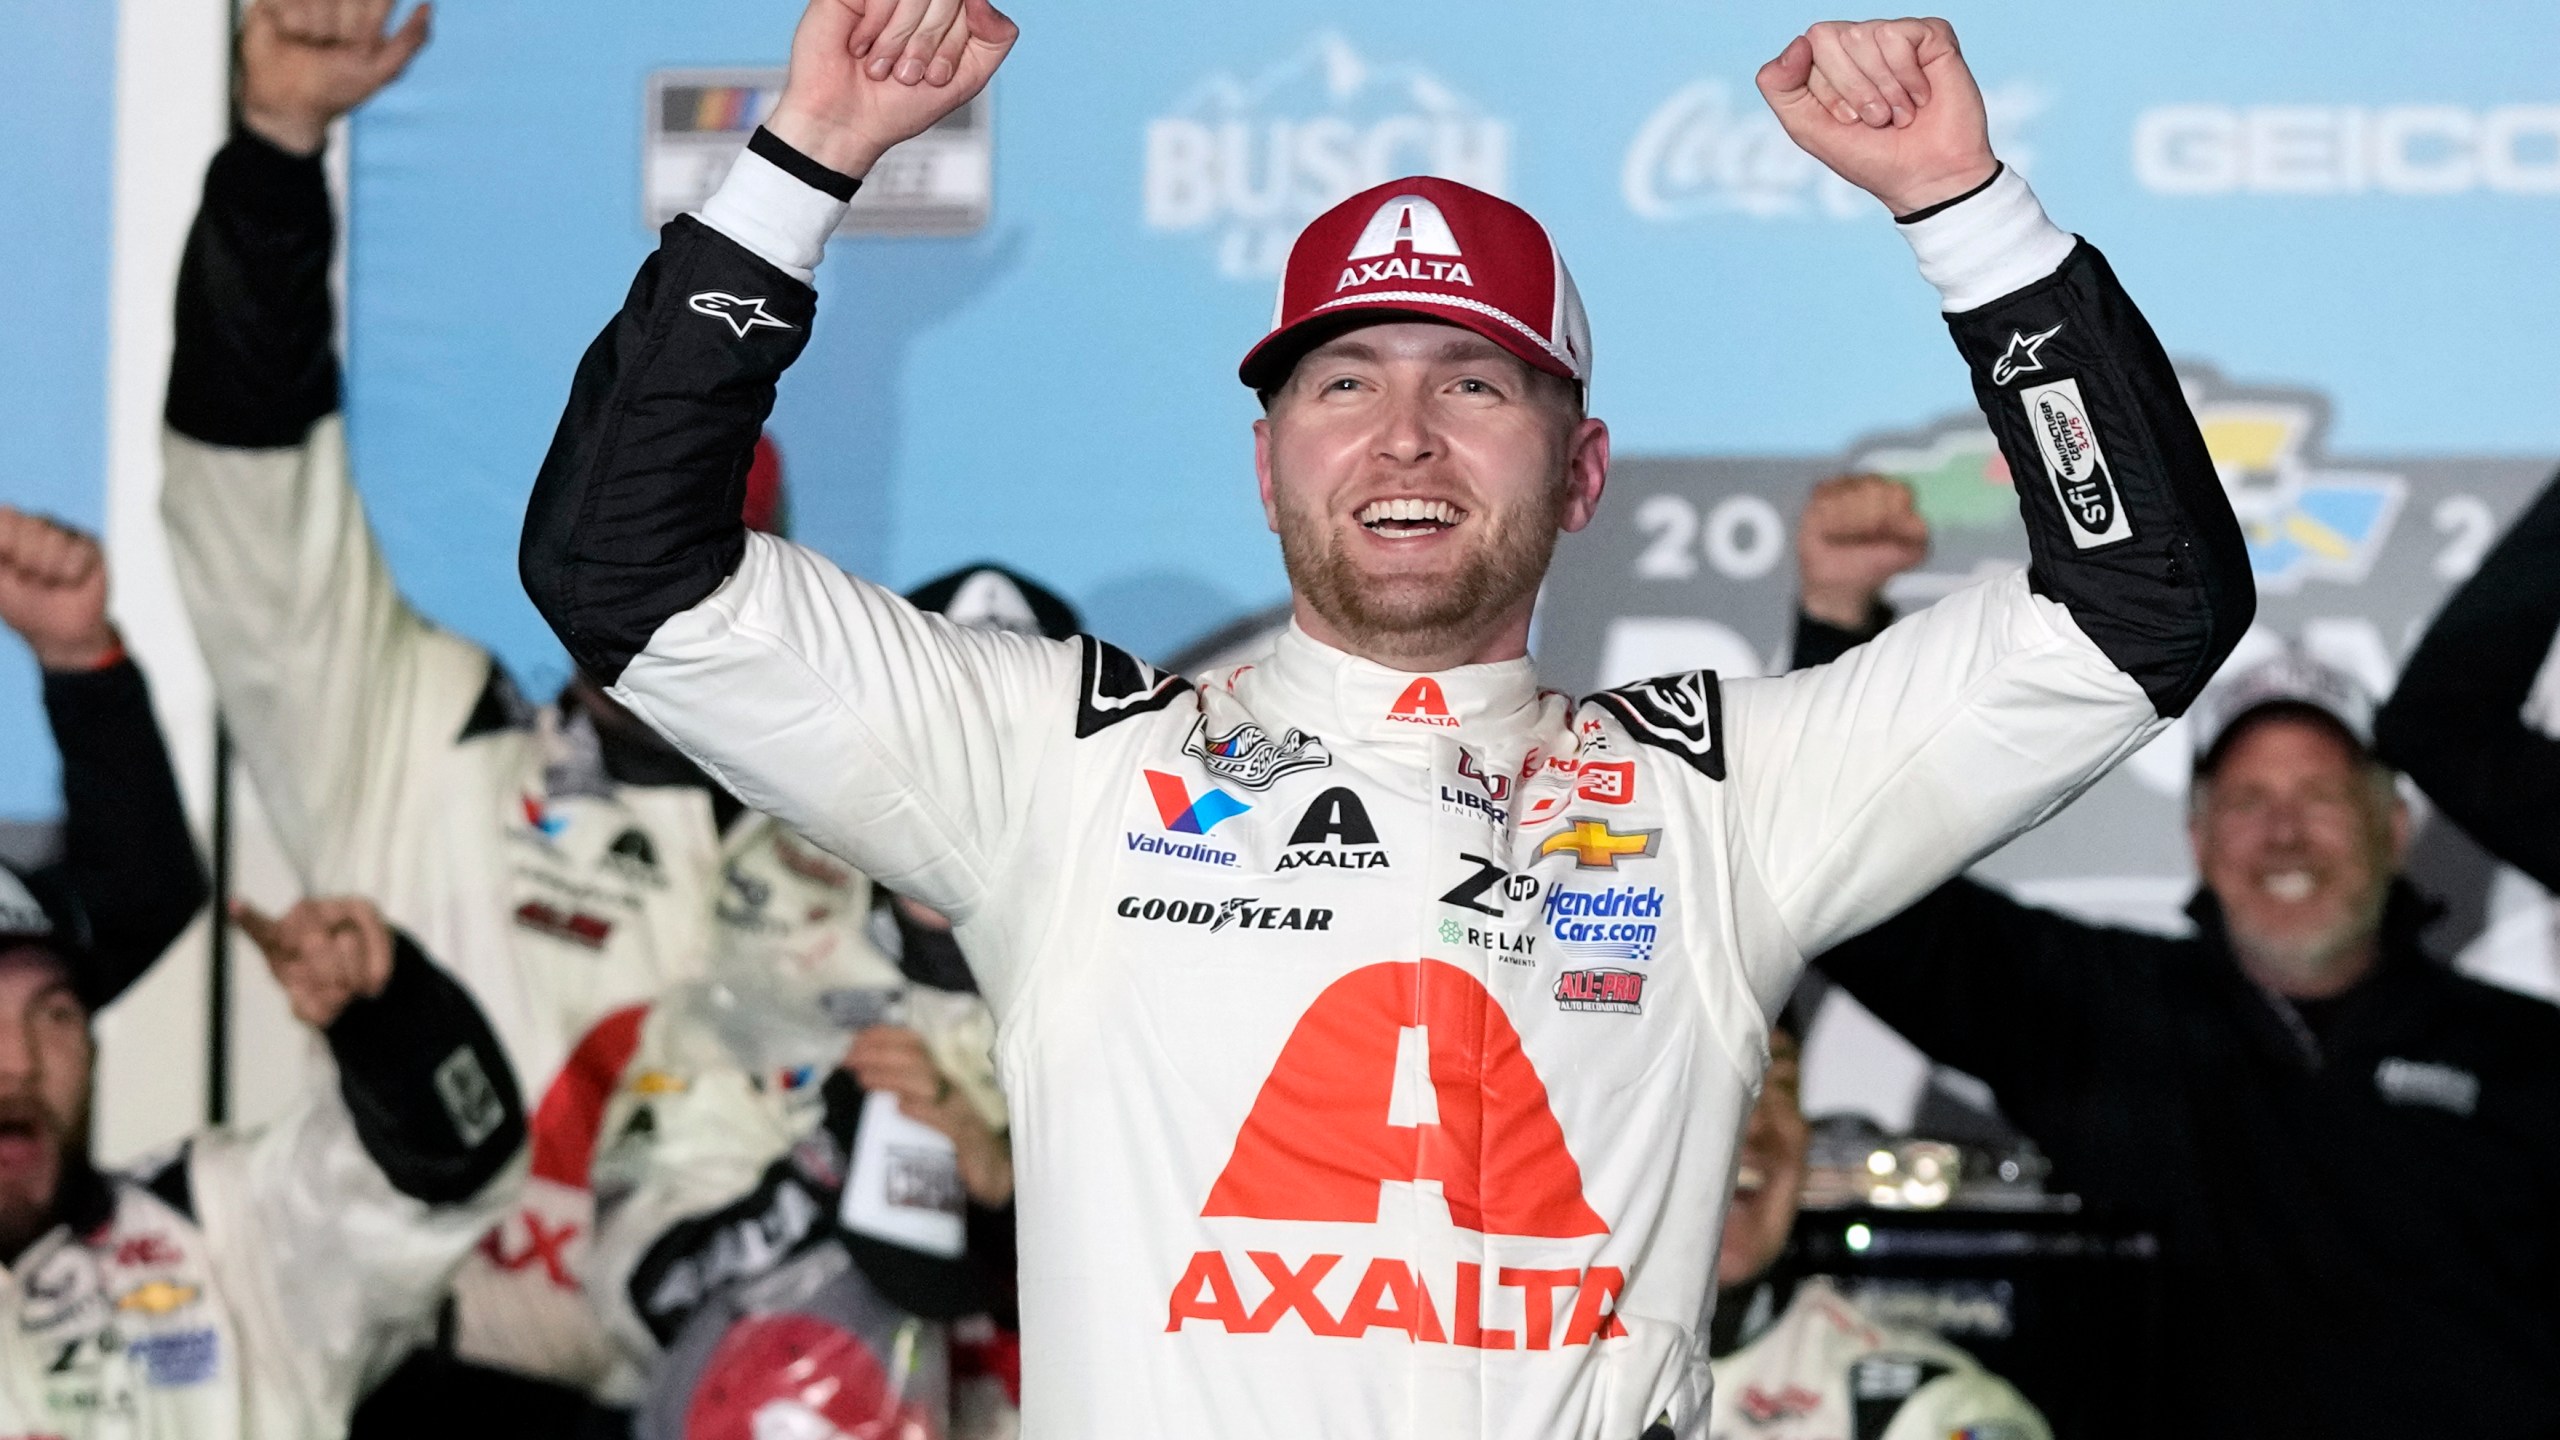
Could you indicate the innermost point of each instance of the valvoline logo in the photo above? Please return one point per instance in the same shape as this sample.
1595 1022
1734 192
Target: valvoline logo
541 818
1184 815
1401 1073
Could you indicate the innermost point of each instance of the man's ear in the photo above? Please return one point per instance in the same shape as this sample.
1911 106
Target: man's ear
1586 472
1262 472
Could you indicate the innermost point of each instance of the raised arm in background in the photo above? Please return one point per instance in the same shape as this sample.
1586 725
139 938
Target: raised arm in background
330 682
128 879
2457 723
344 1220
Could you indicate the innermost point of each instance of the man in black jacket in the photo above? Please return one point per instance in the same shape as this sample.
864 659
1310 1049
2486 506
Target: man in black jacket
2467 722
2349 1151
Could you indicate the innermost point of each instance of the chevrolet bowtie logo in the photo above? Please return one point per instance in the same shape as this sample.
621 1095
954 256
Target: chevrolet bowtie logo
1597 847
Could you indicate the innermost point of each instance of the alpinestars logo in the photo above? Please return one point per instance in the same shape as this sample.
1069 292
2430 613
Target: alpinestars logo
1249 756
2021 356
741 313
1362 1097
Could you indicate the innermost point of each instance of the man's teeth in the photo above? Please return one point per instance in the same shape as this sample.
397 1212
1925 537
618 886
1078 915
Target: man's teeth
1408 512
1748 1179
2290 886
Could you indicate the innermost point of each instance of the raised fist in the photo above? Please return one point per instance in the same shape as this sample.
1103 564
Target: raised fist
1888 105
1858 532
866 74
304 63
53 591
324 953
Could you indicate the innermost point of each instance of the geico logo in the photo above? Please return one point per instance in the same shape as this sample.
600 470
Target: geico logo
1520 1313
1238 914
2347 149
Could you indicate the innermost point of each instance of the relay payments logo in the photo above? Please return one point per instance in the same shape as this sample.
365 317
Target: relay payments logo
1403 1073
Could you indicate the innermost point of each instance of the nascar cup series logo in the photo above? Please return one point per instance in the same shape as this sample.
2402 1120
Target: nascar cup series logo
1248 163
1713 148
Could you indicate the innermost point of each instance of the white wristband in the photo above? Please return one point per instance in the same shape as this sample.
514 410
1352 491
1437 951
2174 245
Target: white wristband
773 213
1989 244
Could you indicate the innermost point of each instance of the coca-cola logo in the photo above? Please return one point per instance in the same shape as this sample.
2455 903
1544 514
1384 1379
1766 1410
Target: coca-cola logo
1713 148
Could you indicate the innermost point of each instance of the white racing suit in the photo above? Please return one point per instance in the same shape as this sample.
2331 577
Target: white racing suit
1824 1370
394 758
1378 1043
255 1286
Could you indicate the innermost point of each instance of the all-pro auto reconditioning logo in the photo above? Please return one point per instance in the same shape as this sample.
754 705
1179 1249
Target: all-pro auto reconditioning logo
1247 163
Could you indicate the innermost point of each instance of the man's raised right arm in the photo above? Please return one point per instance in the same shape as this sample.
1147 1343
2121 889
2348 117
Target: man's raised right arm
896 739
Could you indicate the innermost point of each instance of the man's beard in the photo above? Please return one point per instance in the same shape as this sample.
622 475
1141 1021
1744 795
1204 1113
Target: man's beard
30 1195
1412 615
2311 959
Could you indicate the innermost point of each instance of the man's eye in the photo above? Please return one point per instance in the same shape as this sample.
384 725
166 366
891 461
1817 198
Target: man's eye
1474 386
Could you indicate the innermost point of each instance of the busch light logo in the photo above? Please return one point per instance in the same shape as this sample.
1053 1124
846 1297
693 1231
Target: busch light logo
1713 148
1619 923
1248 163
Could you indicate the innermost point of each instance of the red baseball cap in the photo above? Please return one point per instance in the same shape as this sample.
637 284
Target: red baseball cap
1430 249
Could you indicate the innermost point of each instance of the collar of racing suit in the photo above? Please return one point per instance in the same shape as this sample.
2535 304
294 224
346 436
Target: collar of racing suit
1345 697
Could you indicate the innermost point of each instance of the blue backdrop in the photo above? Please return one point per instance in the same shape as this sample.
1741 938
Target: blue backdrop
57 92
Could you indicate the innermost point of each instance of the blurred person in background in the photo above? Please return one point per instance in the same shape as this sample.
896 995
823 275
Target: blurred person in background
257 1283
2348 1150
815 1098
562 858
1264 947
128 878
1795 1359
2475 719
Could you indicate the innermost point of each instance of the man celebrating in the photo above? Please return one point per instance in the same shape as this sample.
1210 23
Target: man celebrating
257 1284
1378 1028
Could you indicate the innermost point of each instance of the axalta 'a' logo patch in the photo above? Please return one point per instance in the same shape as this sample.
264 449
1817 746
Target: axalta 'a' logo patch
1361 1072
1362 1097
1423 704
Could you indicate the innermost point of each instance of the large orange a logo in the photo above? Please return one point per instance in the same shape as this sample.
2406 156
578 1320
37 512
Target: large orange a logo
1406 1072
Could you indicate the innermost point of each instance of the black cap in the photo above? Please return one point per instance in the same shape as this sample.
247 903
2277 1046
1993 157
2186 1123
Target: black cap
993 597
34 915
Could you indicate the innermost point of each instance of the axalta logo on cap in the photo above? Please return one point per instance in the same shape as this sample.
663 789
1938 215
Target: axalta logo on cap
1423 704
1416 224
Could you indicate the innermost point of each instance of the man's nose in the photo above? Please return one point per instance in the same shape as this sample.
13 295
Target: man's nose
17 1056
1406 433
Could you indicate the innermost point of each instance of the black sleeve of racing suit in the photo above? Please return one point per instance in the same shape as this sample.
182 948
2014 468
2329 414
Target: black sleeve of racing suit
2456 723
791 1210
253 366
2126 520
129 878
1819 642
434 1101
635 514
2002 991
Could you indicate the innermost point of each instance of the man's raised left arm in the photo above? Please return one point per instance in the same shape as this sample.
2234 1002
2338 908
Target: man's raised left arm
1864 783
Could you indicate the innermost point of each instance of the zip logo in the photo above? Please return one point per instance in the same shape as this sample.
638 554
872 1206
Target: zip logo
1184 815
